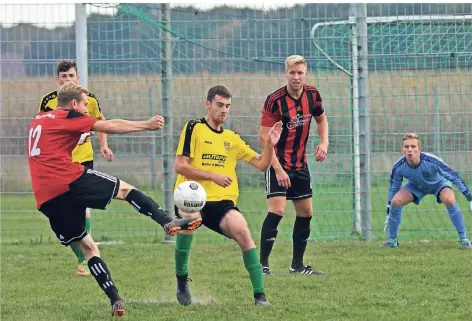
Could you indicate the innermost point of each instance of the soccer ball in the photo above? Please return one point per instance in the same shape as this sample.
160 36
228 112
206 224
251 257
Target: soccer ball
190 197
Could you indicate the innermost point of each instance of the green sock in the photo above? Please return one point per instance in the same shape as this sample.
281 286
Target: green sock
88 225
251 262
182 251
75 247
78 252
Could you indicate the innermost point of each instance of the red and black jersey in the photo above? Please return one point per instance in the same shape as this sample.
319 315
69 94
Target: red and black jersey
296 115
52 137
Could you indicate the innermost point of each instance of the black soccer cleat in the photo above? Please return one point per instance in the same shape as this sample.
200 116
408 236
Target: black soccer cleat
183 293
179 224
118 309
267 272
260 299
305 270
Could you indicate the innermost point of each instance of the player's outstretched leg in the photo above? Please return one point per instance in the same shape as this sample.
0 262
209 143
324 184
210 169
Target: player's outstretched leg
147 206
268 235
235 226
102 275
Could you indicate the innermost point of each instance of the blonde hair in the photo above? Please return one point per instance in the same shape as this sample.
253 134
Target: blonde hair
68 92
412 136
294 60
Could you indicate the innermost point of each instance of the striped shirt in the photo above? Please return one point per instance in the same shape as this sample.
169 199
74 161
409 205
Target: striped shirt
296 115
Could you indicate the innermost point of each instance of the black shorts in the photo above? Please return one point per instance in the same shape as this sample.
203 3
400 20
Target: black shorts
95 189
213 213
66 212
300 187
88 164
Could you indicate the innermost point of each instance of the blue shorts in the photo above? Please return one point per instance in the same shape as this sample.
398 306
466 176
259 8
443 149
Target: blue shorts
419 193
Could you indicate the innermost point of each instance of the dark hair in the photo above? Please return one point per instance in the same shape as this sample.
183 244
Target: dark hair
64 65
68 92
220 90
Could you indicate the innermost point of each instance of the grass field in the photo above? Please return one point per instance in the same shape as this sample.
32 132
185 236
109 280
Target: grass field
420 281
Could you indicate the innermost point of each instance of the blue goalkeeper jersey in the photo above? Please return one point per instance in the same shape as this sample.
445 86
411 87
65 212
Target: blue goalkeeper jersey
431 172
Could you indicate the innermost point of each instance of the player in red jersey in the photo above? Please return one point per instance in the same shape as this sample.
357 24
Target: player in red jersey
289 178
64 189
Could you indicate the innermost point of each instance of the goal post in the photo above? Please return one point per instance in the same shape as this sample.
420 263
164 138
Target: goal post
362 220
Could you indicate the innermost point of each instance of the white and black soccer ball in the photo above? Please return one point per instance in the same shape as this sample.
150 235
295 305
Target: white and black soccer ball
190 197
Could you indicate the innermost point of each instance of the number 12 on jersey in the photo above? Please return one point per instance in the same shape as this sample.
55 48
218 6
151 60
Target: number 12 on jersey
34 134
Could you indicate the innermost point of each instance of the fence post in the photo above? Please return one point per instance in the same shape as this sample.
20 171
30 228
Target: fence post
356 219
81 43
360 14
167 145
437 123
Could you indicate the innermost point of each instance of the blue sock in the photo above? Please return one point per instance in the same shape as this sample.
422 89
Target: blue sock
394 219
457 219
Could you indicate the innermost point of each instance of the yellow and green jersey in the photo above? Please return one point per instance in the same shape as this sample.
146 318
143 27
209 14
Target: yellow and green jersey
213 151
81 153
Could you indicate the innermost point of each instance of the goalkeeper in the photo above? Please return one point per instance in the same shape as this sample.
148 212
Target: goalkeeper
425 174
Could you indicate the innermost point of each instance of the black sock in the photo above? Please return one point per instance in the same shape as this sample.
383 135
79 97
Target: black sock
301 233
146 205
268 236
100 272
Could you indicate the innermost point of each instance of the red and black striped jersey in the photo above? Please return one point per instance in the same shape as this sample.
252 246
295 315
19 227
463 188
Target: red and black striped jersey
296 115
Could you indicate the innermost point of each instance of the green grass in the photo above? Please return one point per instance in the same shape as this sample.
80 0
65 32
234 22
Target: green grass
22 223
419 281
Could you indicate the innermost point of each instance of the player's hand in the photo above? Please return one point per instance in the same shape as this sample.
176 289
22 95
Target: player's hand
470 206
321 151
222 180
85 137
106 153
282 178
274 133
156 122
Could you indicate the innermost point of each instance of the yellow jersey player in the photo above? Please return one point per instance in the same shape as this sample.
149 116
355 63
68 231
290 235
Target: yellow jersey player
83 153
208 153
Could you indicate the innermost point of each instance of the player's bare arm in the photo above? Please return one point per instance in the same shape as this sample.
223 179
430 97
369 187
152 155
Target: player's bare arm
321 151
106 152
263 161
121 126
282 177
183 167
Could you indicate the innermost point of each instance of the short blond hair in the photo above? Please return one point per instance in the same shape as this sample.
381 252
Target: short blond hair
412 136
68 92
294 60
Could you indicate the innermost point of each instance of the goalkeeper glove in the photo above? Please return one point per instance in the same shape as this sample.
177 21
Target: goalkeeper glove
468 196
386 219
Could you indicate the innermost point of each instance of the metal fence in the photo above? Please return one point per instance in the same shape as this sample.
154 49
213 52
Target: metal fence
415 76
